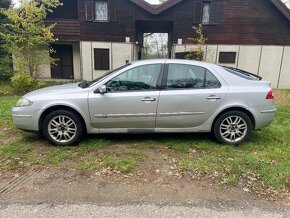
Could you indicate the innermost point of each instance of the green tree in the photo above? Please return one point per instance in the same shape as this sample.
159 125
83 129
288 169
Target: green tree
155 45
5 58
200 41
27 37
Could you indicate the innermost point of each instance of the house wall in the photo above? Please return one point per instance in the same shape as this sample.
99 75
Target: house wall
119 54
233 22
121 22
270 62
284 79
44 71
77 61
256 30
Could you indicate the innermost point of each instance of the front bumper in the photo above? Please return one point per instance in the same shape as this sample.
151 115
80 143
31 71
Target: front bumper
26 118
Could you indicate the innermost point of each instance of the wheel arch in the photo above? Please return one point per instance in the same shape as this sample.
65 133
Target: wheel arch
235 108
59 107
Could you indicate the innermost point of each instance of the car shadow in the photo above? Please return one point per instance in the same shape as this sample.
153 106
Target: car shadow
159 137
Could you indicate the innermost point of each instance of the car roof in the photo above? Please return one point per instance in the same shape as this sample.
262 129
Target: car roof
214 68
172 61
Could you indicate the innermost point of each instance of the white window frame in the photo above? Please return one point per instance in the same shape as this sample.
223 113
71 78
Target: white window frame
206 9
104 17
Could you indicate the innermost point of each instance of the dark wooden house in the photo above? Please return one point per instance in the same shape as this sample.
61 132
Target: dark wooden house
95 36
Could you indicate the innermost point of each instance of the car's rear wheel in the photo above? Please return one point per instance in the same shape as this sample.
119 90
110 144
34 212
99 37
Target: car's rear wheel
233 128
63 128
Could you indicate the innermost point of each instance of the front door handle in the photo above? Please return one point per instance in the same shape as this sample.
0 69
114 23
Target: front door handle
148 99
213 97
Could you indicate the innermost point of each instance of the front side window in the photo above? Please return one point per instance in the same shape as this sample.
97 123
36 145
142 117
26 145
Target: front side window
182 76
142 78
205 12
101 10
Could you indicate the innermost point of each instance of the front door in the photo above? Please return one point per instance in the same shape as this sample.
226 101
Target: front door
63 67
190 97
130 102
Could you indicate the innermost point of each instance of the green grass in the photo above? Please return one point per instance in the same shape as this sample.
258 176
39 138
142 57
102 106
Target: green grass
6 104
266 156
92 144
264 161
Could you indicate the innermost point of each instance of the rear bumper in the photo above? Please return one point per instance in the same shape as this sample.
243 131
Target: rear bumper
26 118
264 117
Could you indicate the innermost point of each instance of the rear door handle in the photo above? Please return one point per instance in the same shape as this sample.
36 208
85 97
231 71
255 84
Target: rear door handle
148 99
213 97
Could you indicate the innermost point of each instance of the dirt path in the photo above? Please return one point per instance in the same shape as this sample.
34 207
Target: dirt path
110 188
131 211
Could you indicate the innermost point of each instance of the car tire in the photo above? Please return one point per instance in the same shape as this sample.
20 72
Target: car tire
233 128
63 128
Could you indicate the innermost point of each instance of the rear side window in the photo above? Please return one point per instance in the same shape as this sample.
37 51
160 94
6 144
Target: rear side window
211 82
182 76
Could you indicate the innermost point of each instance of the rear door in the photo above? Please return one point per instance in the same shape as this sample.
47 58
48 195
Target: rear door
191 94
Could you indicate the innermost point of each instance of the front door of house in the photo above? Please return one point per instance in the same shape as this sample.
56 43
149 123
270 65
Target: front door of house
63 67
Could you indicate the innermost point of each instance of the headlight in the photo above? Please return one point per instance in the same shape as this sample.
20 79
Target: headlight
23 102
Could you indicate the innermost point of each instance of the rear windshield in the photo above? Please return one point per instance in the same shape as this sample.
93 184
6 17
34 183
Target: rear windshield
243 74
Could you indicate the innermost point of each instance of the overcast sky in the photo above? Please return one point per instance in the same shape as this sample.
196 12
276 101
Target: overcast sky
150 1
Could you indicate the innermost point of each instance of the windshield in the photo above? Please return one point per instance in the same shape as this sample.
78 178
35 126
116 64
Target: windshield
242 73
88 84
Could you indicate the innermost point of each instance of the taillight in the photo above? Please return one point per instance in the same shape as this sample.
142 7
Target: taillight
270 95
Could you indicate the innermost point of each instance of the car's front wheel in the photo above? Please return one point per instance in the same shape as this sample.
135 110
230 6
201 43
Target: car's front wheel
63 128
233 127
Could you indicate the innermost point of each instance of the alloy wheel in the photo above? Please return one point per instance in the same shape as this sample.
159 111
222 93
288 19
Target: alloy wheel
62 129
233 128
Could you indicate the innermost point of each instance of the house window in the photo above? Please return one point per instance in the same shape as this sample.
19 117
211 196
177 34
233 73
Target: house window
101 59
205 12
227 57
101 10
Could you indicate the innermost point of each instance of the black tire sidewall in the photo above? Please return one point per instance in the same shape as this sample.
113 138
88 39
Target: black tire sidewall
216 129
69 114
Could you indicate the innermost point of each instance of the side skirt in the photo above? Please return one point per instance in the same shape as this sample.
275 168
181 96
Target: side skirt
147 130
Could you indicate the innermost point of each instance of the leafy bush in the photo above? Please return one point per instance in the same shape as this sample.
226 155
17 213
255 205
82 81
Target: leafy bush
22 82
40 84
6 70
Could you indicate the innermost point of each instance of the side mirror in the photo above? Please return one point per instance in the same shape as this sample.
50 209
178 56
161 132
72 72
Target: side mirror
102 89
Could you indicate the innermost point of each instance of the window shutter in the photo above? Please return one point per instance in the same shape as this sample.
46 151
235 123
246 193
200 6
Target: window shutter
106 59
217 11
89 10
227 57
112 10
101 59
197 12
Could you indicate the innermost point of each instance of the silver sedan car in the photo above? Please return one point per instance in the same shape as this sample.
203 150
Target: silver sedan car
153 96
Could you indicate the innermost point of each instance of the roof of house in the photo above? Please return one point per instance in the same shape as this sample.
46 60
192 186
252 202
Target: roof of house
282 8
157 9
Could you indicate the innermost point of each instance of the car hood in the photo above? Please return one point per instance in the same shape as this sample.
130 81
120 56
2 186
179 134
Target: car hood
55 89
